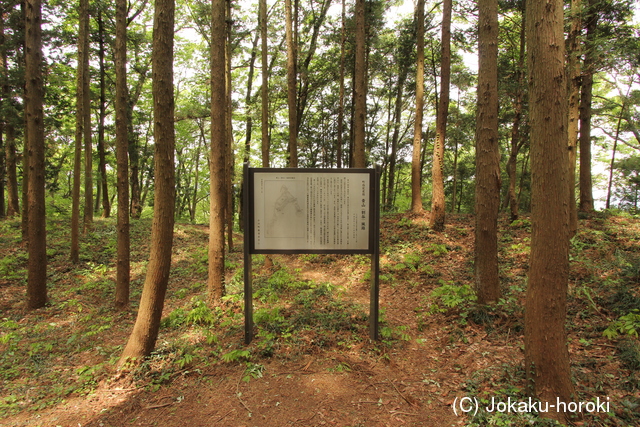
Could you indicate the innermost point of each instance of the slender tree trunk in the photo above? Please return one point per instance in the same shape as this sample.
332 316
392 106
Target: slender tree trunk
438 207
586 183
343 38
215 284
13 207
396 132
516 139
574 82
487 157
291 87
102 164
145 331
34 94
265 84
122 159
9 152
248 99
360 88
80 124
3 116
613 154
229 172
194 199
86 111
303 71
24 223
546 353
416 167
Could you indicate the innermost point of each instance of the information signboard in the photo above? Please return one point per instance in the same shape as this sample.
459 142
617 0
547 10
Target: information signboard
311 211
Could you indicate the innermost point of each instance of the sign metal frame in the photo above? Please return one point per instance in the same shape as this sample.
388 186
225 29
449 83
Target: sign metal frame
373 246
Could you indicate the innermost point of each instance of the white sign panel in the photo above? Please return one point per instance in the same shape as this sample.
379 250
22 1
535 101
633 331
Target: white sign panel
311 211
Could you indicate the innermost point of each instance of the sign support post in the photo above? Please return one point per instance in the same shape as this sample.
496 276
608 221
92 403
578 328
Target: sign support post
374 303
248 237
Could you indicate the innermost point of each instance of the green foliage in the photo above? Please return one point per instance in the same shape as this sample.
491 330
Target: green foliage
252 370
625 325
449 296
437 249
236 355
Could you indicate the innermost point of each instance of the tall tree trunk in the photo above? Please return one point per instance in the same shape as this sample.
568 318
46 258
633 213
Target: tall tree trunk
122 159
229 171
215 283
487 156
145 331
86 110
102 165
402 78
416 167
613 151
438 207
194 199
574 71
3 116
13 207
360 88
34 94
248 99
546 353
303 72
135 209
24 223
265 85
340 130
516 140
79 133
291 87
586 182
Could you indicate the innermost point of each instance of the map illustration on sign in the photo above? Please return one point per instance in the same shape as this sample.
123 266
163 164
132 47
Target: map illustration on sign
311 210
284 213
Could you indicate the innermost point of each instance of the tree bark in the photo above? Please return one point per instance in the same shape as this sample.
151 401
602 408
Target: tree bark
34 95
122 159
360 88
9 153
102 165
340 130
546 354
79 133
416 167
265 84
402 78
487 203
586 182
574 80
229 171
86 111
438 207
145 331
248 99
291 87
215 283
516 139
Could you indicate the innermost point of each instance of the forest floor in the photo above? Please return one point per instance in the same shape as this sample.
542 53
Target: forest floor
311 362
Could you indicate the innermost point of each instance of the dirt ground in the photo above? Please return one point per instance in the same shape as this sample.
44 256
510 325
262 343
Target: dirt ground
412 381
